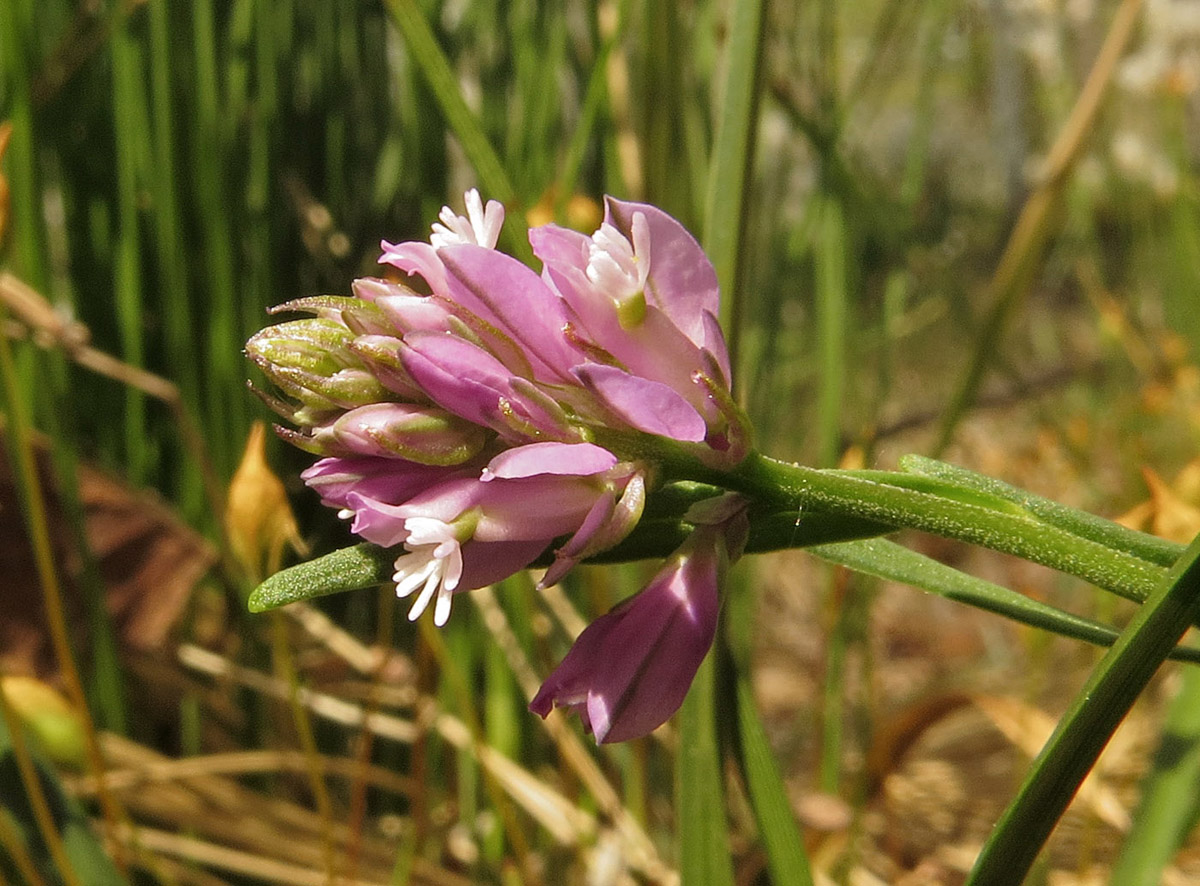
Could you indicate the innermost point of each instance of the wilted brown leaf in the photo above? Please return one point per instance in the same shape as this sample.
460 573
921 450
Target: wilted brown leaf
148 559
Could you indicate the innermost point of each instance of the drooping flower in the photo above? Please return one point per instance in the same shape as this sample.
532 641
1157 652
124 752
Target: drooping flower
462 426
629 670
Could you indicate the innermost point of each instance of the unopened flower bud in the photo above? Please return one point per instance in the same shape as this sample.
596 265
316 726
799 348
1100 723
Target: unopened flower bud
311 360
423 434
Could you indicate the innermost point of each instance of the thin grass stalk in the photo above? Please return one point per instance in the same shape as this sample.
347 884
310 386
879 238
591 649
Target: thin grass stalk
899 282
829 762
453 675
35 794
285 670
16 28
107 683
704 857
357 817
1089 723
130 126
1034 225
176 307
782 842
12 843
663 69
222 367
483 158
611 18
831 311
887 25
34 507
729 173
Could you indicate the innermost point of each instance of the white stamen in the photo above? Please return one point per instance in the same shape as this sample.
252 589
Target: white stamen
615 265
433 563
480 226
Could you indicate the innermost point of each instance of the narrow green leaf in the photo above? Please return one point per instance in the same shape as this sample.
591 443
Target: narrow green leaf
1148 547
360 566
1088 725
888 560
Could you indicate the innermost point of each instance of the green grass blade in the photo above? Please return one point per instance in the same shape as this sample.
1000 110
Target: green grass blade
130 125
483 157
1088 725
1168 808
732 159
704 853
781 839
16 42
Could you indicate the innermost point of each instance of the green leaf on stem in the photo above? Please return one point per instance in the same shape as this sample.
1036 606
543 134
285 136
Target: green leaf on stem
360 566
1150 548
888 560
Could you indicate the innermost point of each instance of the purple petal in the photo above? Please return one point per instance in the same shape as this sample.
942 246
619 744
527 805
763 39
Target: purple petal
468 381
546 506
389 480
375 521
578 459
655 348
643 404
457 375
630 669
487 562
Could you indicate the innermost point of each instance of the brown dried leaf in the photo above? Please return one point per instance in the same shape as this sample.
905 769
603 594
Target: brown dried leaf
149 561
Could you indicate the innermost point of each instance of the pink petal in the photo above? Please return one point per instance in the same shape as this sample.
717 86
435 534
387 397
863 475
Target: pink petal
682 280
578 459
643 404
456 374
495 285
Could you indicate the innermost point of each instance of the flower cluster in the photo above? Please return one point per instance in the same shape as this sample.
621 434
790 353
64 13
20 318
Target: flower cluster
506 414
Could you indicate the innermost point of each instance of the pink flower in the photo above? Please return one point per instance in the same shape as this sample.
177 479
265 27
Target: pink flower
461 427
629 670
462 529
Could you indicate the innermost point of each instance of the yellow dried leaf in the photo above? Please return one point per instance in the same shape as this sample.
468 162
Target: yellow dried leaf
48 718
1174 518
258 517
